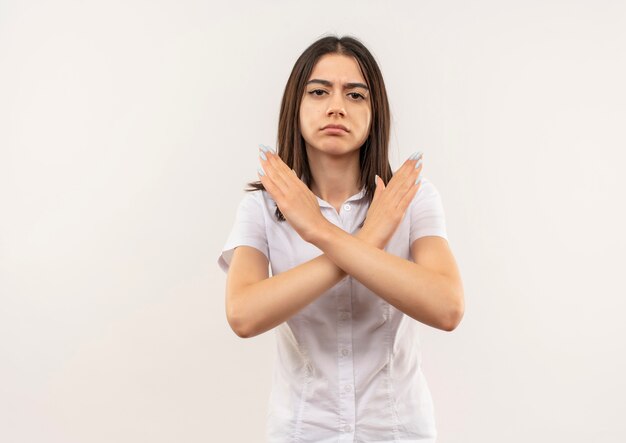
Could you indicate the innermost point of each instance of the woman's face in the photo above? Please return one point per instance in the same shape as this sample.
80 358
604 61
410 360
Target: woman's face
336 94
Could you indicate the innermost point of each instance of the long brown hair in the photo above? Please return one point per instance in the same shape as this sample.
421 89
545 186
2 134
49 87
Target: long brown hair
373 154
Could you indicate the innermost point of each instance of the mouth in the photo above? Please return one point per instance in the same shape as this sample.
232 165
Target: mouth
335 129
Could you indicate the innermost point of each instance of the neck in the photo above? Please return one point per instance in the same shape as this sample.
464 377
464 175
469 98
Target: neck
334 178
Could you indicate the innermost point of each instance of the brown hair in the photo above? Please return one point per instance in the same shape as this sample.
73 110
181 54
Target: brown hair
373 157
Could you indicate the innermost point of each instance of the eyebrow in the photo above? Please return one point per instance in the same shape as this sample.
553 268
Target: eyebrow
345 86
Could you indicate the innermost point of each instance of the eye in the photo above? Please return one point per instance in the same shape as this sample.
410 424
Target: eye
315 91
358 96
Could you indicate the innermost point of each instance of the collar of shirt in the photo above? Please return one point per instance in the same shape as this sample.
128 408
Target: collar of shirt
324 204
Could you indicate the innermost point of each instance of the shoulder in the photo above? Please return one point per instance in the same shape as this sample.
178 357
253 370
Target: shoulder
426 212
256 203
253 198
427 192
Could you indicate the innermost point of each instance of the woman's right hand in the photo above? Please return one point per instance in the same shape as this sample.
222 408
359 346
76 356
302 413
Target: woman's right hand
390 202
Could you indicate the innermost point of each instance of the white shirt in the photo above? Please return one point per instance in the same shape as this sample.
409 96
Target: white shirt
348 365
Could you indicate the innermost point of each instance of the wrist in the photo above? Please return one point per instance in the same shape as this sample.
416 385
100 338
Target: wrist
322 235
365 236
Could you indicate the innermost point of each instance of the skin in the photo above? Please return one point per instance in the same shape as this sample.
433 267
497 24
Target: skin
428 289
334 158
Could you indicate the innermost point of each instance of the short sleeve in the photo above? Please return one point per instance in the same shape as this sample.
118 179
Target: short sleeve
248 229
426 212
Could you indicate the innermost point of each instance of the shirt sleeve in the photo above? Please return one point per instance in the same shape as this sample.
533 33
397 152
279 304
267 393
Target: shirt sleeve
427 213
248 229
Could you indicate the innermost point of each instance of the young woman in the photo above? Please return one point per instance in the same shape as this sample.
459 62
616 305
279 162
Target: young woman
358 256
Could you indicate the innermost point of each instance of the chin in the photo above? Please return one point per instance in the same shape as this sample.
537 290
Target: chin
340 152
338 146
333 145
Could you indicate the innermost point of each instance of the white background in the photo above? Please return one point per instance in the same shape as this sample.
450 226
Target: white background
128 130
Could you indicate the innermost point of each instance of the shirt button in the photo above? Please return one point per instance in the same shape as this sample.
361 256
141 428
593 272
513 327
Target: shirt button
348 388
346 207
347 428
343 315
344 352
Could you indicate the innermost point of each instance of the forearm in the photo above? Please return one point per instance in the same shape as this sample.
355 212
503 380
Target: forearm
264 305
424 295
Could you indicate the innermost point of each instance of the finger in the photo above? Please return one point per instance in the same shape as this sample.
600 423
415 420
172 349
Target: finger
288 175
376 189
269 185
402 182
403 173
414 171
413 184
279 164
271 167
412 179
410 162
275 178
281 167
405 201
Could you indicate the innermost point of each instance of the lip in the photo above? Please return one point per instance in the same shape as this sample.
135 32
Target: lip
335 129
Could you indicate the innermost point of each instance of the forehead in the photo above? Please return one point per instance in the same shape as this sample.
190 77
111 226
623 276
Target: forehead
337 67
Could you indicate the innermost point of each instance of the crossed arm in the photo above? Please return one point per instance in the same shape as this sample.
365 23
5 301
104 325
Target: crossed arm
428 289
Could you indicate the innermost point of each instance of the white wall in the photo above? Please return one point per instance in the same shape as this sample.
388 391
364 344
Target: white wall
128 130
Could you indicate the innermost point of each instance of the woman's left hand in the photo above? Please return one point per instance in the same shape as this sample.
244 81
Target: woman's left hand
294 199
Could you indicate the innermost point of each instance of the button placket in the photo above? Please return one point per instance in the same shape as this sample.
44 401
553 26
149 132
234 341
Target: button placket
347 408
345 356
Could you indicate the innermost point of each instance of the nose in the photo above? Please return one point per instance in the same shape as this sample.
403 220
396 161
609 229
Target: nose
335 105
